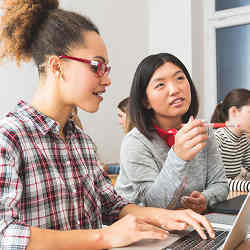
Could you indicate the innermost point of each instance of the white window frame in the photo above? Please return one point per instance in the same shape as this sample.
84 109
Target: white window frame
213 20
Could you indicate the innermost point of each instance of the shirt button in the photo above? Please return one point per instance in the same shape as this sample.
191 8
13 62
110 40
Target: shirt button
68 162
78 222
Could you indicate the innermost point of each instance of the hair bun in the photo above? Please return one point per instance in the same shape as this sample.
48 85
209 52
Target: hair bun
19 23
46 4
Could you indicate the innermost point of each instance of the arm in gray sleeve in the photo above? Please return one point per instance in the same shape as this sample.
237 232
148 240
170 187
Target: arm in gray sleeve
147 181
217 186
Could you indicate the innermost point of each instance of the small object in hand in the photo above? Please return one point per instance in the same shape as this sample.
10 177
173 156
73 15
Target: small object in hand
183 199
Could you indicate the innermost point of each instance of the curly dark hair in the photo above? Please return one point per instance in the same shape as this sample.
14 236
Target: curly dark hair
35 29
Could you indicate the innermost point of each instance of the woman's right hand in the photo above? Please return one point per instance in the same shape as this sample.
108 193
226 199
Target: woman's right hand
131 229
190 139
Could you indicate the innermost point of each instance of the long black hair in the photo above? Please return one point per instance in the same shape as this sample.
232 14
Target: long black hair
142 117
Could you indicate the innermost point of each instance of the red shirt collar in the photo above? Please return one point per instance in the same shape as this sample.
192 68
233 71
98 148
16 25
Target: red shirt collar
166 135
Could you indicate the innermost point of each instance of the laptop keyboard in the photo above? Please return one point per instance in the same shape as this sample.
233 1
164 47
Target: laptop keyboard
193 241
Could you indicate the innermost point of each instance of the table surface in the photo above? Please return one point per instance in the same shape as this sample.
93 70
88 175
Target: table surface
157 245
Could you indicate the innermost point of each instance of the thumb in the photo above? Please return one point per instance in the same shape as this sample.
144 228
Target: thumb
191 118
195 194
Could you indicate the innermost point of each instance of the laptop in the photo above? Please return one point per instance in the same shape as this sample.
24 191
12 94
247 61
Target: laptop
224 239
230 206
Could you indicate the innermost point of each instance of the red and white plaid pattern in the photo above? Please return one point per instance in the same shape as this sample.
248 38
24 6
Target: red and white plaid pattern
47 182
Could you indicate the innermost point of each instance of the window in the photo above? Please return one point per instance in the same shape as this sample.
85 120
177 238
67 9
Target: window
230 4
233 58
227 49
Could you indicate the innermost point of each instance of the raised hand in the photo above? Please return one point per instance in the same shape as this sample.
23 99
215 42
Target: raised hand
190 139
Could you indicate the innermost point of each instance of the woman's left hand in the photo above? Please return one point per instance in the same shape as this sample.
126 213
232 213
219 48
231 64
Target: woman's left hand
171 219
195 201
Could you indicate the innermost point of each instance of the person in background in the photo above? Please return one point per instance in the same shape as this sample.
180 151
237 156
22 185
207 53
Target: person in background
157 168
53 193
232 140
123 115
126 124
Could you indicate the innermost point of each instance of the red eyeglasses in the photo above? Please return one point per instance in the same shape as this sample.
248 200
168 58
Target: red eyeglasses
98 67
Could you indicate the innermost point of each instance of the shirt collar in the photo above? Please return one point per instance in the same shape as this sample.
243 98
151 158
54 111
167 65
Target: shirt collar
166 135
231 135
43 122
161 132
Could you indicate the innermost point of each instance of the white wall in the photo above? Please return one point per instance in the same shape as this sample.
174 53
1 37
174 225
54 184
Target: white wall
16 83
170 29
197 34
131 30
177 27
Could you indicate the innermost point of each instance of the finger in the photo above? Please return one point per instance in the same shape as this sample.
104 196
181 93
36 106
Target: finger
198 204
175 225
197 208
187 204
198 222
144 227
183 124
188 141
192 152
194 133
194 147
194 201
197 148
192 124
200 219
191 118
201 207
184 201
151 235
195 224
195 194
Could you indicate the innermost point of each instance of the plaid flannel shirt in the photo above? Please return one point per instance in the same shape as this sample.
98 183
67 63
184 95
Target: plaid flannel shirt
48 182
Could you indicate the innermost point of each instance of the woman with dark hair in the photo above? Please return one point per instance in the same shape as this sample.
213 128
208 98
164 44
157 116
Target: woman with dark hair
159 168
233 142
123 115
53 193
